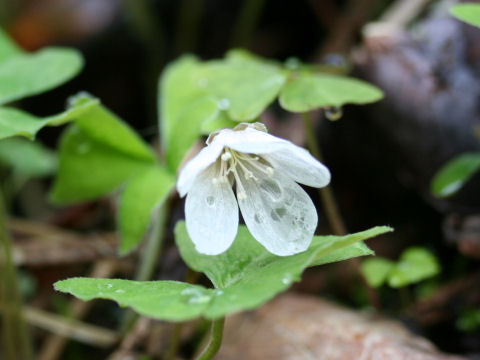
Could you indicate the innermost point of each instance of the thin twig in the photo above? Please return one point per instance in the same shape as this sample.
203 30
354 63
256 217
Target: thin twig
326 193
71 328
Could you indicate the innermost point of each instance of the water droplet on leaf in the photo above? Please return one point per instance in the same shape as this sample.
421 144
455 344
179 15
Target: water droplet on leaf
333 113
195 296
223 104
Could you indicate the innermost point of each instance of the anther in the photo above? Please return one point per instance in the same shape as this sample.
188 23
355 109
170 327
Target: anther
242 195
226 156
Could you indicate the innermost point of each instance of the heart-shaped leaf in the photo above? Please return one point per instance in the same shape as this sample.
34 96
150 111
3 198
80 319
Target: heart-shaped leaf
308 91
14 122
246 276
141 196
244 88
26 74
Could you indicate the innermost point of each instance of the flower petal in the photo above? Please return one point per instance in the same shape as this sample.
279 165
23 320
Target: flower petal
207 156
249 141
299 164
211 213
278 213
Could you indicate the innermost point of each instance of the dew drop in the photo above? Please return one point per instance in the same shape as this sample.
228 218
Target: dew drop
203 82
83 148
272 188
287 279
223 104
258 218
109 286
194 296
333 113
120 291
210 201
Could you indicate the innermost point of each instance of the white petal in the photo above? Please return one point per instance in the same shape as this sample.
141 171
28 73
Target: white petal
249 141
211 213
278 213
207 156
299 164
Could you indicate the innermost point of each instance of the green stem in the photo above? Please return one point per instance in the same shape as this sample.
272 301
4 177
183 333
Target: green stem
246 21
16 338
215 340
326 194
331 208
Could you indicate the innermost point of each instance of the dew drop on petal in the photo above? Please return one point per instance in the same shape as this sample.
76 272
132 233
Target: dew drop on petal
210 201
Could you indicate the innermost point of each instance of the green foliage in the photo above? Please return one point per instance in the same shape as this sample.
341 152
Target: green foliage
27 158
309 91
415 264
31 74
141 196
99 154
7 47
14 122
245 277
201 97
23 74
468 12
454 174
469 320
245 88
376 270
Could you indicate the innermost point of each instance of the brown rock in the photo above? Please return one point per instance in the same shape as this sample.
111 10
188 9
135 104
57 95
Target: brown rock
304 327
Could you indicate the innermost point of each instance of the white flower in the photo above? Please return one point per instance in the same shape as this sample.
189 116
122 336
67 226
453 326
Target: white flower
265 170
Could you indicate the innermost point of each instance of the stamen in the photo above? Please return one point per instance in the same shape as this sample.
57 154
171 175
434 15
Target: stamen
226 156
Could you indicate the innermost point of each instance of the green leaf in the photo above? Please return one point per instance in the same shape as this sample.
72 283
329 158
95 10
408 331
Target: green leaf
7 47
415 265
221 121
178 89
166 300
468 12
376 270
310 91
14 122
355 250
142 195
187 129
97 155
27 158
246 276
454 174
89 169
30 74
244 88
103 126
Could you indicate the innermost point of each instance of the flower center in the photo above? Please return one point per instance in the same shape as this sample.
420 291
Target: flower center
243 167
